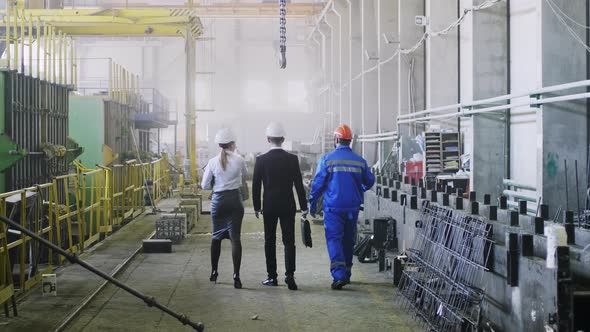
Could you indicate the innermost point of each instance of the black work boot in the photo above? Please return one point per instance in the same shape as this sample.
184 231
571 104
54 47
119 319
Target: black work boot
338 284
290 281
270 282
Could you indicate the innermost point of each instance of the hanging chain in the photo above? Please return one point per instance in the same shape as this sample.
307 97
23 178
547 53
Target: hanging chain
283 33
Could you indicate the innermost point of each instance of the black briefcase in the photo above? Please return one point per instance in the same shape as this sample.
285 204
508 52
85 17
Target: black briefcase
306 233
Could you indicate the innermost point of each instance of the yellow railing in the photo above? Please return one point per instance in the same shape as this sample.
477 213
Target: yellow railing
61 201
74 211
27 206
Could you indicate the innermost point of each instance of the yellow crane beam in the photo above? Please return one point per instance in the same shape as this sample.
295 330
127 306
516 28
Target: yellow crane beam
120 22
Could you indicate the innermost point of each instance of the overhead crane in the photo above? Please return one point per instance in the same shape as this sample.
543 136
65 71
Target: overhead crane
156 21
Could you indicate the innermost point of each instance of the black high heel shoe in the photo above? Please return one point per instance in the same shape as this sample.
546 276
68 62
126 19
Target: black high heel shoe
237 282
213 277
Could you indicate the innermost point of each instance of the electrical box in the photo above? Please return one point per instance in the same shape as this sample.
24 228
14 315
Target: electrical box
421 20
49 284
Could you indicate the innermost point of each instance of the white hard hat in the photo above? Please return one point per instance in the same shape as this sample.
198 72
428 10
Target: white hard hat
275 129
224 136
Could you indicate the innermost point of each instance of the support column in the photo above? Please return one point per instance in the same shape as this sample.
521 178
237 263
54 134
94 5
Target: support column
387 36
190 111
563 126
369 79
442 54
489 72
345 66
335 62
411 66
356 64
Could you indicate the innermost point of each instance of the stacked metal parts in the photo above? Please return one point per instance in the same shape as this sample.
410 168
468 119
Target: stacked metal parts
172 227
449 255
36 120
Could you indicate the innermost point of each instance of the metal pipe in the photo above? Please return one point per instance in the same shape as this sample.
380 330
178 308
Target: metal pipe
74 259
7 32
53 63
320 18
75 60
15 39
110 83
503 98
567 202
30 34
349 62
518 195
72 61
64 59
59 53
116 91
339 59
22 42
45 53
38 39
389 133
503 107
512 183
331 85
577 191
362 2
377 140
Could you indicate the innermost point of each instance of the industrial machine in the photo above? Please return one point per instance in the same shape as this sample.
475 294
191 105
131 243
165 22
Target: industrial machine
34 140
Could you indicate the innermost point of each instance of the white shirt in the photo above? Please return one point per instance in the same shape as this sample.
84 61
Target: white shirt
229 179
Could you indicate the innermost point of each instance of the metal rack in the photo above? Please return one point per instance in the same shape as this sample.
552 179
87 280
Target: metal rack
446 263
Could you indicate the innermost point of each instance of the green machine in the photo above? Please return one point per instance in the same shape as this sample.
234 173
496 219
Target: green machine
103 127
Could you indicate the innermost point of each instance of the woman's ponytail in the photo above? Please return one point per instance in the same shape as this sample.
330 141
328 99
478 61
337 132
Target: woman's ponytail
223 159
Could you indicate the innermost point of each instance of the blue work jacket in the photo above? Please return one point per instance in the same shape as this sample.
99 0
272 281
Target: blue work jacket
343 177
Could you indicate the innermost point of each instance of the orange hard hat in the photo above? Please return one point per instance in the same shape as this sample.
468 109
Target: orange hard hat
343 132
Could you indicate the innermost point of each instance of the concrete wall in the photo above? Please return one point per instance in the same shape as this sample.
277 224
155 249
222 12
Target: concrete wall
525 75
411 67
563 126
490 79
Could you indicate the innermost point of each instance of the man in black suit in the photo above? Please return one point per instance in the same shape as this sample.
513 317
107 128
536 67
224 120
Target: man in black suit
278 170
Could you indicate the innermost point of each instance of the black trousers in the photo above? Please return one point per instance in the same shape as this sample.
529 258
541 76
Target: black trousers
270 242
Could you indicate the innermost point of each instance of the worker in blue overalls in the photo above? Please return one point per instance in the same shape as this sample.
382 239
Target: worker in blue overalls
343 177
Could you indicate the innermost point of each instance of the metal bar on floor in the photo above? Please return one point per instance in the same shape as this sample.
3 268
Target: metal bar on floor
149 301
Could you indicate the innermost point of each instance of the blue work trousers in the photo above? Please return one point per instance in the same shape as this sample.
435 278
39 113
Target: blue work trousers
340 228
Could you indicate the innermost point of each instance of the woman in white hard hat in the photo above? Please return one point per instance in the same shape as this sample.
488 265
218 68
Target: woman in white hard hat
225 174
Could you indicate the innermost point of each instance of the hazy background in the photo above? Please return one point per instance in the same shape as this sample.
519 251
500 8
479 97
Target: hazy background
237 77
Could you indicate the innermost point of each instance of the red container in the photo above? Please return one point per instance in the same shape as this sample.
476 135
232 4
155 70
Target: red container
414 170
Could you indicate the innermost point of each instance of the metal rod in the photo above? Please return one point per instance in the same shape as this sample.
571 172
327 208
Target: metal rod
38 39
149 301
7 35
72 62
53 63
45 53
15 39
577 191
512 183
567 206
88 299
22 41
30 34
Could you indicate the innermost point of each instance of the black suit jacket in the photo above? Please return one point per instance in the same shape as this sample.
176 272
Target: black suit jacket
278 171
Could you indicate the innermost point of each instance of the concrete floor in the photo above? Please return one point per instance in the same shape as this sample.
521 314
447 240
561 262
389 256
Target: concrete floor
180 280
